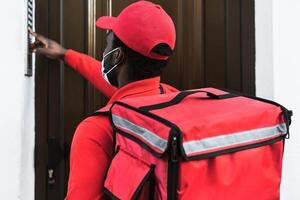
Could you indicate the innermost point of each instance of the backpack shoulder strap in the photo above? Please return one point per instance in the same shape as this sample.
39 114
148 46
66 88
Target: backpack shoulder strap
106 111
102 111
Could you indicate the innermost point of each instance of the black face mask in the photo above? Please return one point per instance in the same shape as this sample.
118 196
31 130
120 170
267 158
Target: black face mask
108 72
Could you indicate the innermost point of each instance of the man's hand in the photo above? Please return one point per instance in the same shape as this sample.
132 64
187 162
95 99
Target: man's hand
47 47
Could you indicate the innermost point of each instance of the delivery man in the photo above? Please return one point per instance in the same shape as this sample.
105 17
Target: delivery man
139 43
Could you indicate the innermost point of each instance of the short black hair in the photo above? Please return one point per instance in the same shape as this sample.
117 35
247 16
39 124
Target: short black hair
139 66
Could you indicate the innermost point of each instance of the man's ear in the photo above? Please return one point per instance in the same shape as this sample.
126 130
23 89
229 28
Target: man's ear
119 56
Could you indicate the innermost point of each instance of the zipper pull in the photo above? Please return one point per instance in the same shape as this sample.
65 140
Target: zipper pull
174 156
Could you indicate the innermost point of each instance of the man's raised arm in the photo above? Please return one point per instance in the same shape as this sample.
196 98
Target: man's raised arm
87 66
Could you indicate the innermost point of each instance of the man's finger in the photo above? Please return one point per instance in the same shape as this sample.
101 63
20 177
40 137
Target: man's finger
35 45
39 37
31 31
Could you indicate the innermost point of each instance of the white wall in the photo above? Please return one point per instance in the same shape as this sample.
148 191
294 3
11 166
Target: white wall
264 48
16 107
286 59
278 75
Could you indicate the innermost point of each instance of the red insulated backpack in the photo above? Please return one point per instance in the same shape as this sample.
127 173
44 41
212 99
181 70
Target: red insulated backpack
206 144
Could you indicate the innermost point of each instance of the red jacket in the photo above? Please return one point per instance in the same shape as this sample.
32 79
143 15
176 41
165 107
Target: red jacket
92 145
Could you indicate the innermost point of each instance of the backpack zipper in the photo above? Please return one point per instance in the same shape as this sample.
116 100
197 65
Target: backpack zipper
173 167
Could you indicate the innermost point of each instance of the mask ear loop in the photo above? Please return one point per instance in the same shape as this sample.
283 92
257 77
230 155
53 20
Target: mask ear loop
118 48
111 69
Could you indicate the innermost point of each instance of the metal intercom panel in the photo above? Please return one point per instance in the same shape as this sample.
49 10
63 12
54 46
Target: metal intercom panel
30 38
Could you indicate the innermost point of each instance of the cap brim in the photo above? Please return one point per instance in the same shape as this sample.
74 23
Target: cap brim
106 22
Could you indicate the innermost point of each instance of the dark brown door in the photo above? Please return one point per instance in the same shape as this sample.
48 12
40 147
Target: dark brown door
214 47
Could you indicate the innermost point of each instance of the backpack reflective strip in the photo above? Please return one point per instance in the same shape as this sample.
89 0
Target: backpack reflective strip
249 136
142 132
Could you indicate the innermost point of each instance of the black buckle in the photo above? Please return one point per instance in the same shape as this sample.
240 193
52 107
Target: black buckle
288 120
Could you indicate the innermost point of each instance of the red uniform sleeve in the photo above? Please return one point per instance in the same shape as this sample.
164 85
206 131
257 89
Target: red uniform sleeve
90 69
91 153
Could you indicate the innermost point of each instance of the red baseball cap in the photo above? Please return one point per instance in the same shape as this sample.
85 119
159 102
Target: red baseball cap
141 26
